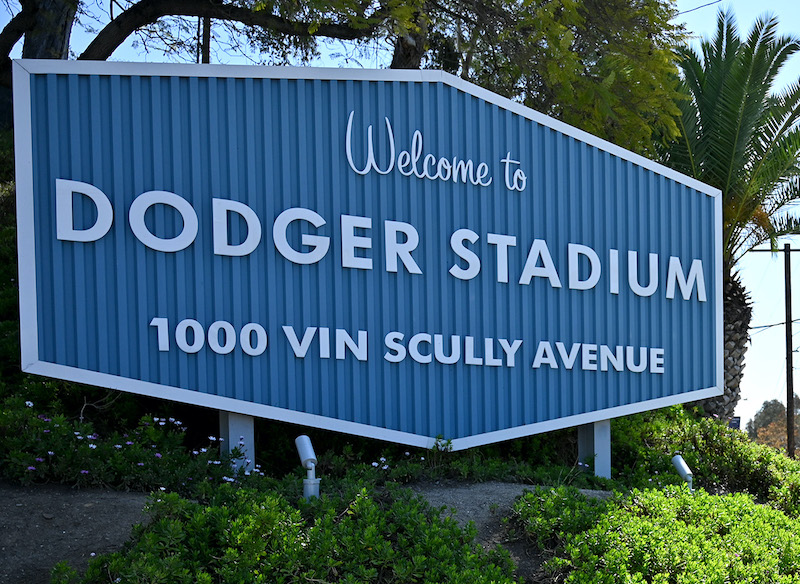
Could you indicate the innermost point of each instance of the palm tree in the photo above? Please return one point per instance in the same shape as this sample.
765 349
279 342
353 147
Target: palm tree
741 136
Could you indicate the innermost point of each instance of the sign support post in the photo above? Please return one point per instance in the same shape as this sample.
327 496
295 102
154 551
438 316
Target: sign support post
594 443
237 430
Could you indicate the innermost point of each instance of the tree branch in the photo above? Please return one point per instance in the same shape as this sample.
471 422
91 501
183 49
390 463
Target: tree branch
12 32
18 26
148 12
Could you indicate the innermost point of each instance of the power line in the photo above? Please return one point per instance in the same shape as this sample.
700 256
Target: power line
763 327
699 7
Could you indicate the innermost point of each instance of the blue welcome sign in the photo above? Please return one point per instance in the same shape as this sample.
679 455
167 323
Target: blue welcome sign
399 255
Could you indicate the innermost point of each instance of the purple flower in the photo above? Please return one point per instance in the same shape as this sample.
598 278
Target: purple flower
92 446
129 443
84 472
39 459
117 446
139 464
31 468
50 452
158 455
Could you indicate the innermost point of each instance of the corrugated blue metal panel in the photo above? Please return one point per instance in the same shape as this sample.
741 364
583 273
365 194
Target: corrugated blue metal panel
279 143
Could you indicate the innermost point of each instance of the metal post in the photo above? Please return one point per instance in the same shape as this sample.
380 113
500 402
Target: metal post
789 361
594 443
238 431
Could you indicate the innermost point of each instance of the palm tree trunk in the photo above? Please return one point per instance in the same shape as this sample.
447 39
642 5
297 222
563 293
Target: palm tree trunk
737 310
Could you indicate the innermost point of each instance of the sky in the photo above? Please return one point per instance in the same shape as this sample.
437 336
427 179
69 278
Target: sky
761 273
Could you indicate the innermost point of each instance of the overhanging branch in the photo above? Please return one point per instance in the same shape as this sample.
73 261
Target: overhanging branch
147 12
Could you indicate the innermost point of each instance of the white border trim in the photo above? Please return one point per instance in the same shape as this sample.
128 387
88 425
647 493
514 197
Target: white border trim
23 69
720 324
228 404
34 66
26 240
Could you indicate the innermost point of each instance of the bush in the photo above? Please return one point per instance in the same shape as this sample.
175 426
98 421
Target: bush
723 460
674 536
246 536
662 536
550 516
36 447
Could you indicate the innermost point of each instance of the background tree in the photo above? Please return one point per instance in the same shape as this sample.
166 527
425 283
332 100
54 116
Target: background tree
740 135
774 434
770 411
605 66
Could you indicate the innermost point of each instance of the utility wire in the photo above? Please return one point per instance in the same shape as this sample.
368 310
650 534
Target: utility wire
767 326
699 7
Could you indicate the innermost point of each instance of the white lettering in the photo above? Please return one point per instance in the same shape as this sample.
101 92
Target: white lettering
319 244
65 224
396 351
351 241
510 350
371 164
473 262
544 356
686 284
574 252
146 200
503 242
633 274
546 270
413 162
220 209
413 348
345 341
455 349
395 249
300 348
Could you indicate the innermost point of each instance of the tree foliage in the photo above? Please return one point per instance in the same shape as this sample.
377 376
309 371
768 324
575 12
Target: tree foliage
740 134
607 67
770 411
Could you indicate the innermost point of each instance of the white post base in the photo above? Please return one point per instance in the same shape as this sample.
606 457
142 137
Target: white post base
237 431
594 444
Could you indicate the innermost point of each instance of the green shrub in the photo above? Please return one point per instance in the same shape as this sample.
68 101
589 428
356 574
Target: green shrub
723 460
245 536
674 536
549 516
35 447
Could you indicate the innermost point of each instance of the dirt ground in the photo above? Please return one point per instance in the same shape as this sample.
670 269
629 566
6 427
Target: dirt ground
44 524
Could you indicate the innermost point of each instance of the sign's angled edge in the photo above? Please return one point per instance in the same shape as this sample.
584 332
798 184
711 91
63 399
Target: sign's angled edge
26 242
326 423
227 404
331 74
580 419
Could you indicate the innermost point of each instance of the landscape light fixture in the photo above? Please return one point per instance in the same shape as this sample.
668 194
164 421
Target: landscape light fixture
683 470
309 461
